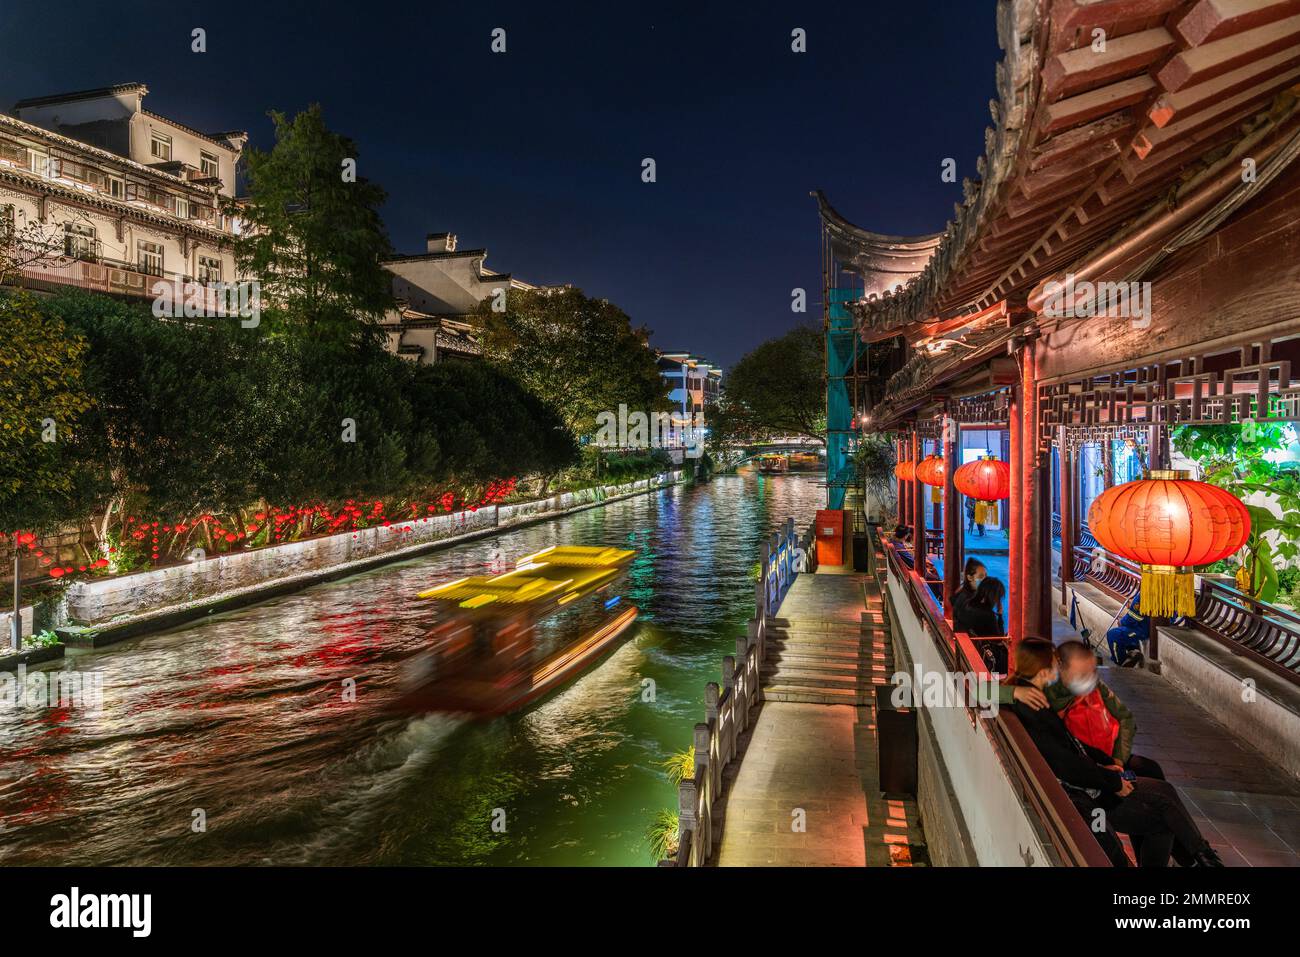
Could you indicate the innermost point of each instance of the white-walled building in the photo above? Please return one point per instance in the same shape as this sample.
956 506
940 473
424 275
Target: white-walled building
119 196
438 291
692 383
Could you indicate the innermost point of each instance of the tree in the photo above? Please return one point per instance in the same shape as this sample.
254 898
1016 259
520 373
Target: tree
485 424
42 400
779 388
580 356
188 416
312 232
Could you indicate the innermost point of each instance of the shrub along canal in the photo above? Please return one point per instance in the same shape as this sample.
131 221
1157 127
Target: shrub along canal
240 720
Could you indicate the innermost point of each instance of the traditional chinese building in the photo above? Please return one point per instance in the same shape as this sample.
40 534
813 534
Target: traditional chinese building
437 292
98 192
1124 260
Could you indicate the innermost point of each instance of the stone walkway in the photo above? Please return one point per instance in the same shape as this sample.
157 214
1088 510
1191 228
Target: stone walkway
806 791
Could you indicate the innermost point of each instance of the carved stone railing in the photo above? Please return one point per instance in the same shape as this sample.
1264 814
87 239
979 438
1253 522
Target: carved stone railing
728 709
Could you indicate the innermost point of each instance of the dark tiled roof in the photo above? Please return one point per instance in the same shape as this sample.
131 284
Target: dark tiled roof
82 95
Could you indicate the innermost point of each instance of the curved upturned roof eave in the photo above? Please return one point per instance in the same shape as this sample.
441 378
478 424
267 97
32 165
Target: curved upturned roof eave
884 262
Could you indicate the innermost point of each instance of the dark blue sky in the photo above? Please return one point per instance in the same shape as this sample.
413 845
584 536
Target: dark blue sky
536 154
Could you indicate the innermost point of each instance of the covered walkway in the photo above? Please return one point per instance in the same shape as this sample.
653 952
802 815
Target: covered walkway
806 791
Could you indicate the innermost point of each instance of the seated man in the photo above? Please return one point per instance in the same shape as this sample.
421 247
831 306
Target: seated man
1137 806
1126 638
1097 717
902 545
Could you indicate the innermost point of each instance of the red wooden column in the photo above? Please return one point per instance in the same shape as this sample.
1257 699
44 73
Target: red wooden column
904 504
1036 617
1016 506
953 526
1067 512
918 507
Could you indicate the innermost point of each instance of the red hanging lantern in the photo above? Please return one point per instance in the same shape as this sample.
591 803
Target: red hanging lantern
930 470
1169 524
988 481
985 480
905 471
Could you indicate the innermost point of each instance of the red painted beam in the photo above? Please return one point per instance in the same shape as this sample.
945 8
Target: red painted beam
1215 19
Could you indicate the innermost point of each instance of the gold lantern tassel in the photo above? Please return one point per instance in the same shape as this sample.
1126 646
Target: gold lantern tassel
986 513
1167 592
936 494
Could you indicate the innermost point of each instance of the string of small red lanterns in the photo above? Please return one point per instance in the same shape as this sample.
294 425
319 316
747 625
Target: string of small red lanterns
278 523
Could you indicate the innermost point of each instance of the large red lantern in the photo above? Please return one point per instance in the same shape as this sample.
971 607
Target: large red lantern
988 481
985 480
930 470
905 471
1169 524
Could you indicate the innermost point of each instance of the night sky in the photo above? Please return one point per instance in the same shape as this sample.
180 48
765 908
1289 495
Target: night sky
536 154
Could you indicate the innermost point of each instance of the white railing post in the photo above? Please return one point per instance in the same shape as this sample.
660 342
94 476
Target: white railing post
687 816
730 714
705 793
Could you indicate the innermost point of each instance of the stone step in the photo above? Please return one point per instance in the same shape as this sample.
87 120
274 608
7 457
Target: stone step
818 624
818 695
830 656
802 642
821 679
814 658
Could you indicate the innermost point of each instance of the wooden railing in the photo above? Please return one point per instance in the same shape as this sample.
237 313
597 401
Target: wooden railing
728 709
1118 577
1066 834
1265 633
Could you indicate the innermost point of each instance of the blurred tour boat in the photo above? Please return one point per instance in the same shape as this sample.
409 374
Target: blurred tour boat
503 642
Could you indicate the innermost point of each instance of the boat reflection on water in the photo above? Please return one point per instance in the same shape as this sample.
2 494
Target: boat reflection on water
501 642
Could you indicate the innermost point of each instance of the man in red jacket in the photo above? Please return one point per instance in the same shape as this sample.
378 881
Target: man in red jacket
1095 715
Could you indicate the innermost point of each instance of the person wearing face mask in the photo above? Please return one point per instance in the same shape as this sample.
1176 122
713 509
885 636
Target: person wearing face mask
1145 808
1097 717
1093 712
981 615
972 575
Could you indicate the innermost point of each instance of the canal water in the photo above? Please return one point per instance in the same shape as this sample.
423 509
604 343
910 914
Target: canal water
240 722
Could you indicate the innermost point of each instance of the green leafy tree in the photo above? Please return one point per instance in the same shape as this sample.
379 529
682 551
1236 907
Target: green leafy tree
484 423
1239 458
42 402
780 387
313 236
188 416
580 356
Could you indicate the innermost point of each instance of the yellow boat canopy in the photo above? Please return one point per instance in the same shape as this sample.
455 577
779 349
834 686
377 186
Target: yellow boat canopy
579 556
558 574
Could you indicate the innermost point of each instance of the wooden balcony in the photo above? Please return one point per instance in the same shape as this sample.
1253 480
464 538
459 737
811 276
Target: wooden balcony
140 193
103 275
14 153
74 172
